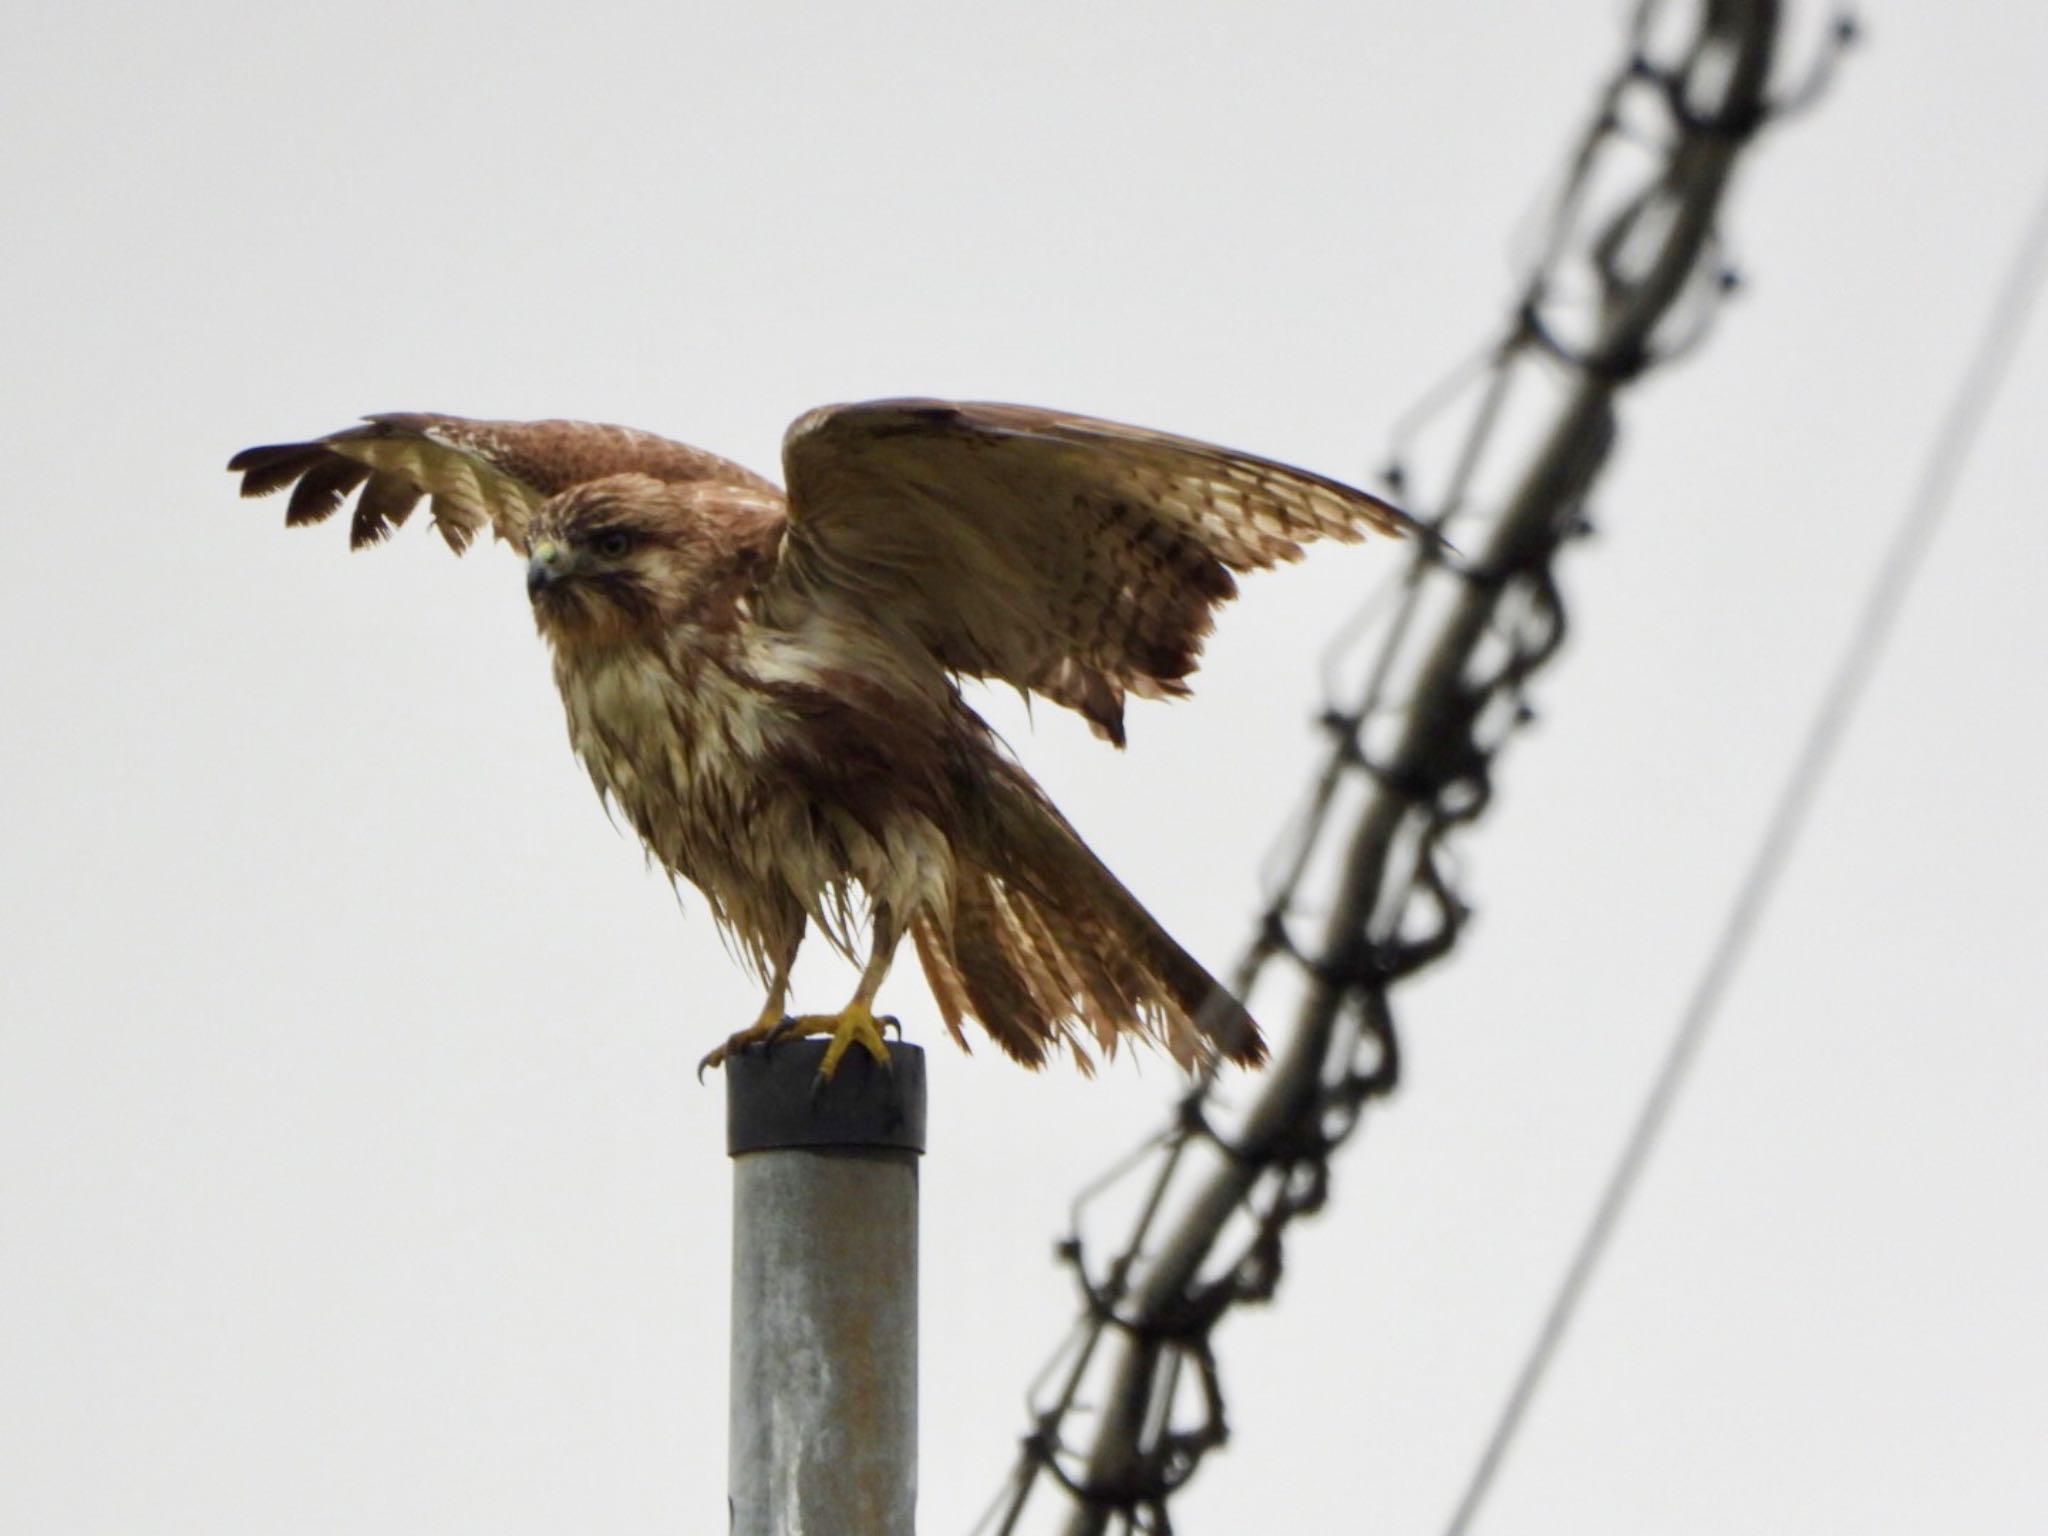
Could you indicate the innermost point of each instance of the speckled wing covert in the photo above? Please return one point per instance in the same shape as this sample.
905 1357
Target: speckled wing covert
1079 559
474 473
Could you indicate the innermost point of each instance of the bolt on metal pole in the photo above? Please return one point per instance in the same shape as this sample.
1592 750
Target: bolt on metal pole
824 1291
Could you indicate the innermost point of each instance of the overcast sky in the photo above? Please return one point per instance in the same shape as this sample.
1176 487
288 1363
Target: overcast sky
353 1173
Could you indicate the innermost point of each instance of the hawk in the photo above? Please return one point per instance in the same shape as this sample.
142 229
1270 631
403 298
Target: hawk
766 683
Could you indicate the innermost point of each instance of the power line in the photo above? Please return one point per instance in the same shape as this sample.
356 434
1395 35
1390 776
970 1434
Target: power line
1882 605
1627 275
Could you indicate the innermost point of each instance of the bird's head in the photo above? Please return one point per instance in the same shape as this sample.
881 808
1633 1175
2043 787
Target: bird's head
623 559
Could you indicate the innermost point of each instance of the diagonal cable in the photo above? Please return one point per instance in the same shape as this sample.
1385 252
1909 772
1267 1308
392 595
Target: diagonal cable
1627 274
1882 605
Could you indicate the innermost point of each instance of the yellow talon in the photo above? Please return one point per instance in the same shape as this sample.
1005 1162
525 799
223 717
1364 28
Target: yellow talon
853 1024
766 1030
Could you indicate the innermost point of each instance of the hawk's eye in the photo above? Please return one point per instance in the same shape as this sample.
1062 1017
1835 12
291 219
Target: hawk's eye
613 543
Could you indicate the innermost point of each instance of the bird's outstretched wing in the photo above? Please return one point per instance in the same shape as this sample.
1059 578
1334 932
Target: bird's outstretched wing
474 473
1077 558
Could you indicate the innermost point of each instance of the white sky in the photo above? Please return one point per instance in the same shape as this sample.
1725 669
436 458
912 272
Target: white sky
353 1176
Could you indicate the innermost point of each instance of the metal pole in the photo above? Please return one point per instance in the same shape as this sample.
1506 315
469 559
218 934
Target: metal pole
824 1291
1647 254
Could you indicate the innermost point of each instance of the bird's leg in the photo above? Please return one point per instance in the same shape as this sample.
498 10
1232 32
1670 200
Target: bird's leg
856 1024
771 1024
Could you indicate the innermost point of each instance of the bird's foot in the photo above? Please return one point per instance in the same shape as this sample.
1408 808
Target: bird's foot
855 1024
766 1030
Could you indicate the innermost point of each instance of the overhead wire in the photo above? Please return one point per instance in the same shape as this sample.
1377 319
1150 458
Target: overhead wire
1627 269
1926 509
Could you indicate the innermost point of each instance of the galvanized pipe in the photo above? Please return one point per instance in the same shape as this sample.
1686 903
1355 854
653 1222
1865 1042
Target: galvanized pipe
824 1291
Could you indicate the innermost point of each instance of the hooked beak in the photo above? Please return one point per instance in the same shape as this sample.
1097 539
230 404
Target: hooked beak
547 563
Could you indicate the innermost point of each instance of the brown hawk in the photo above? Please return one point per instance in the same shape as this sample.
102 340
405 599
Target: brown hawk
767 684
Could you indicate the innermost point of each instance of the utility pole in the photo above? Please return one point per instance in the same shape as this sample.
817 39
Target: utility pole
1626 276
824 1291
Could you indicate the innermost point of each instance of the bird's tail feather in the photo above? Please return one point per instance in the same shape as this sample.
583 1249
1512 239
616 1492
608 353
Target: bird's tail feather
1047 949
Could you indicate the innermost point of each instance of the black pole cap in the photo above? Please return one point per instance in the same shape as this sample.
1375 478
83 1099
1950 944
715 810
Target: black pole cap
775 1098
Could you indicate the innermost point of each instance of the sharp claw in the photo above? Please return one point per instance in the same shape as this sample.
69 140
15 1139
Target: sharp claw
762 1031
852 1025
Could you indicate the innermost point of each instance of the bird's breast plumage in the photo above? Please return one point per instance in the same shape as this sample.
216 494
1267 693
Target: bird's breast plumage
678 749
719 758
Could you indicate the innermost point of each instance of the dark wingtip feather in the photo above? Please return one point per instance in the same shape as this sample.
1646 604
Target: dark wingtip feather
387 501
364 532
249 458
325 486
272 467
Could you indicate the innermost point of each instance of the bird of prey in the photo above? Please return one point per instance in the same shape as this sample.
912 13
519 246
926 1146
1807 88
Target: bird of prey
766 684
